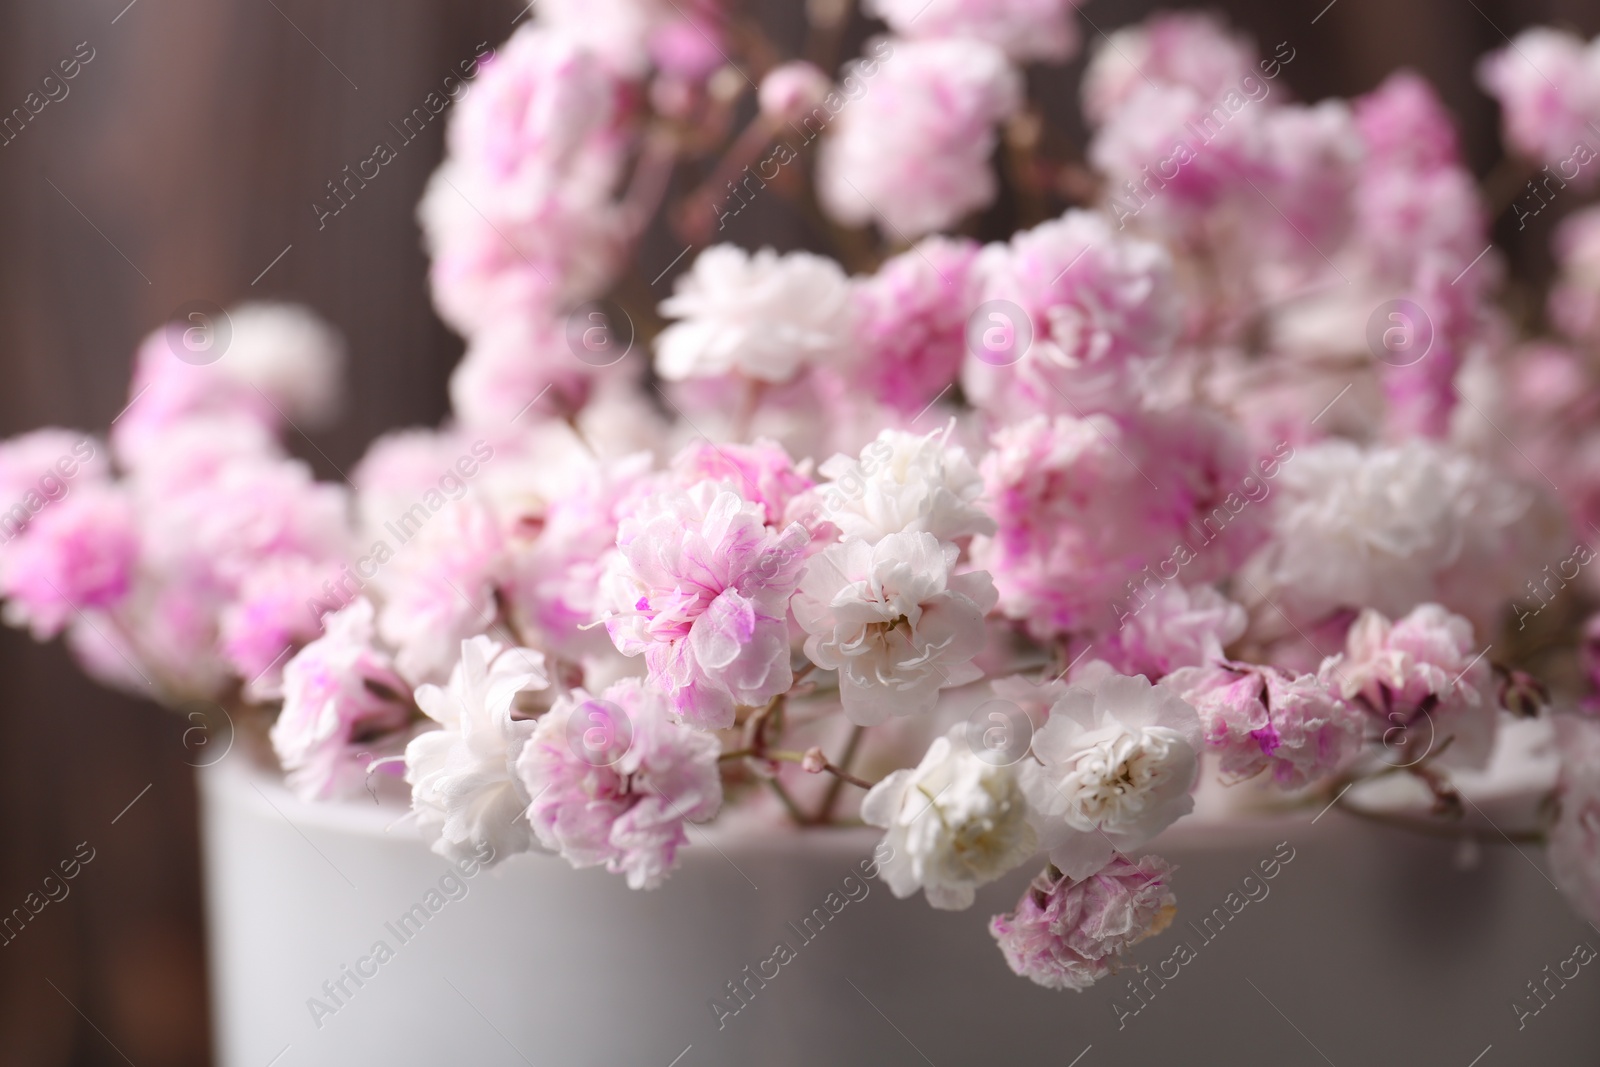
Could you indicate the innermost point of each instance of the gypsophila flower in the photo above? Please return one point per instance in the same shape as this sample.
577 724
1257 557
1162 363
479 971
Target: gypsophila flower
905 483
344 707
1423 681
764 316
1297 728
628 812
698 586
1069 933
464 790
1115 765
894 621
954 823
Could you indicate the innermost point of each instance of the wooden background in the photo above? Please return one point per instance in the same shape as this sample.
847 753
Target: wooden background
184 159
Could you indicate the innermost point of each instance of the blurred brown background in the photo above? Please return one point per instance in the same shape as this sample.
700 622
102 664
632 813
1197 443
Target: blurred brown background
185 159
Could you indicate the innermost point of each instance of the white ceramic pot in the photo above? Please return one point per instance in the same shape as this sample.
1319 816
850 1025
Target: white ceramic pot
1369 946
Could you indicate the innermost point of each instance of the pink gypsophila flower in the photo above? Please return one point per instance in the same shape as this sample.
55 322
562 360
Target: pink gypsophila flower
912 153
1099 306
1067 934
910 323
1265 719
1180 48
343 707
1548 86
40 467
761 472
1421 677
699 586
520 218
1176 627
79 554
271 616
1025 29
623 802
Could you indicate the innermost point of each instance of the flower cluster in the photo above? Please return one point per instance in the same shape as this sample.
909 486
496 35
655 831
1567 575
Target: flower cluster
1228 461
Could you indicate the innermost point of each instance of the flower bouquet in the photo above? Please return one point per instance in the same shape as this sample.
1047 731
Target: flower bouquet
1228 452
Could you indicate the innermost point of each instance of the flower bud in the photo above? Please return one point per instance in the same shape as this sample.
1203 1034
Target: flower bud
790 90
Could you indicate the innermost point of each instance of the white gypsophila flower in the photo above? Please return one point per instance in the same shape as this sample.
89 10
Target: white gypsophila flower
1115 765
894 621
954 823
463 782
904 482
290 354
1392 527
764 315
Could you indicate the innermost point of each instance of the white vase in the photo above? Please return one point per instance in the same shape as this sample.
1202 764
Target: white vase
1369 946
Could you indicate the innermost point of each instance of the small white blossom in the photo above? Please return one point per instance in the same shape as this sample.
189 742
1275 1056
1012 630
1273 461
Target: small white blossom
954 823
905 482
765 316
1393 527
463 780
894 621
1116 763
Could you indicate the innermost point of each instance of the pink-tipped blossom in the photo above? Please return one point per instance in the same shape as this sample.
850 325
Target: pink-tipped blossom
271 364
1424 683
699 586
1094 513
790 90
343 708
441 587
1548 85
912 153
521 217
79 554
1069 933
1169 628
1574 303
274 613
623 803
519 368
1296 728
40 467
911 322
1179 48
762 473
1099 306
1025 29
